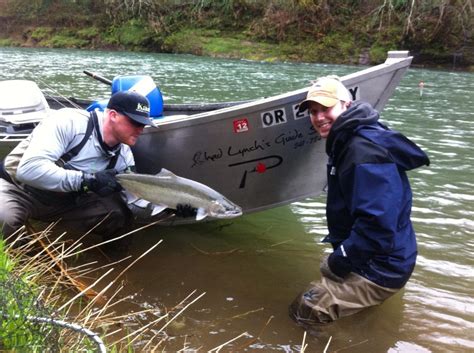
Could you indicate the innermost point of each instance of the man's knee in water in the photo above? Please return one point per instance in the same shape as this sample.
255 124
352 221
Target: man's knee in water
304 309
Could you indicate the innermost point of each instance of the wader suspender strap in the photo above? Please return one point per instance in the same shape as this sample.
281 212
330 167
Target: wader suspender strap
66 157
113 160
91 124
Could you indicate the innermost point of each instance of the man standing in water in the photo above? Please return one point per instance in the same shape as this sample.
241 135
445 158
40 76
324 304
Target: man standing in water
368 208
66 169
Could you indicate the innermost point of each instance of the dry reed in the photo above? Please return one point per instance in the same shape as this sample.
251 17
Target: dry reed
72 296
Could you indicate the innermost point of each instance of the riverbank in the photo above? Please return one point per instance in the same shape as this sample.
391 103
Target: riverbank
334 49
283 31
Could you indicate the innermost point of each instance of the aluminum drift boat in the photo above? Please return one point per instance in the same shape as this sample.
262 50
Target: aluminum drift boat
263 153
259 154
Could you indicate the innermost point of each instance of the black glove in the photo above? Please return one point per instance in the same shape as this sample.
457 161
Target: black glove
327 272
103 183
185 210
141 213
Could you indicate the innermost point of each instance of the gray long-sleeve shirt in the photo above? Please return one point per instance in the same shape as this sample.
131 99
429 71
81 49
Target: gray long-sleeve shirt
55 136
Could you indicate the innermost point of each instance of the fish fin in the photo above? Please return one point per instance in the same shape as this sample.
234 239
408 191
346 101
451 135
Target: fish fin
165 173
131 197
201 214
158 208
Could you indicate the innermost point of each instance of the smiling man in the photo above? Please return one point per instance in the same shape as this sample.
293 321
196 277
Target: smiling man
368 207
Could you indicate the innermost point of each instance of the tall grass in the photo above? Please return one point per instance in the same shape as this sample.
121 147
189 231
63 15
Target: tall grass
48 304
18 301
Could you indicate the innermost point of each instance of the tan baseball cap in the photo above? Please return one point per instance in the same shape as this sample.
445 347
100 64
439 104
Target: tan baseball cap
326 91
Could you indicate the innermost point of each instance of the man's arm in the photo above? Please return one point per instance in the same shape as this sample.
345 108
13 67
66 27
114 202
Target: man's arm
48 143
373 195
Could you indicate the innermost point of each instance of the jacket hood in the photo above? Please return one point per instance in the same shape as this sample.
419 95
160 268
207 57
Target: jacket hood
362 120
358 114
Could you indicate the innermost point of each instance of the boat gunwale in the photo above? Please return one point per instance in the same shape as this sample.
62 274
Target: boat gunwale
395 61
280 99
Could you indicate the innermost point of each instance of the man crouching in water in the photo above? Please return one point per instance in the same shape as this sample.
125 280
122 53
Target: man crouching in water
66 170
368 208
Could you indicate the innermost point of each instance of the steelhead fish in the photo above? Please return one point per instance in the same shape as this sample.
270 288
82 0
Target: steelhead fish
169 190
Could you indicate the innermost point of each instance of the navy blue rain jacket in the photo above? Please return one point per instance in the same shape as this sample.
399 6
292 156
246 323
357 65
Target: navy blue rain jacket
369 198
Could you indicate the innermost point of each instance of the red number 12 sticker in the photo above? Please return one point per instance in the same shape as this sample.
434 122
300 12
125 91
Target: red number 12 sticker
241 125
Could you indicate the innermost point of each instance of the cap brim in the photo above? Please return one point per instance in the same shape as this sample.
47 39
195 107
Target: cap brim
139 118
325 101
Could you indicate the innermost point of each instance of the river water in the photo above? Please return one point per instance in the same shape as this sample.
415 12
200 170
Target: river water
250 269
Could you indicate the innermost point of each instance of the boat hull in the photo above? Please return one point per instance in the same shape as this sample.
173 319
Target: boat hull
260 154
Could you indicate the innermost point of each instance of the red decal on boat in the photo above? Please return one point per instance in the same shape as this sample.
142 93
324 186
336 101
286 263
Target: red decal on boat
261 168
241 125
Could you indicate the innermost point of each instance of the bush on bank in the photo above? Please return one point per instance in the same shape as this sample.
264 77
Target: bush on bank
18 296
341 31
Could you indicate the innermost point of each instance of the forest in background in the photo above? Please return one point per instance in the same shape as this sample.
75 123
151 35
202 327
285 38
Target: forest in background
437 32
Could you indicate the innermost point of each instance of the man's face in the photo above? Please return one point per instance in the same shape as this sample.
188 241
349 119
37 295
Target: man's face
126 130
323 117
